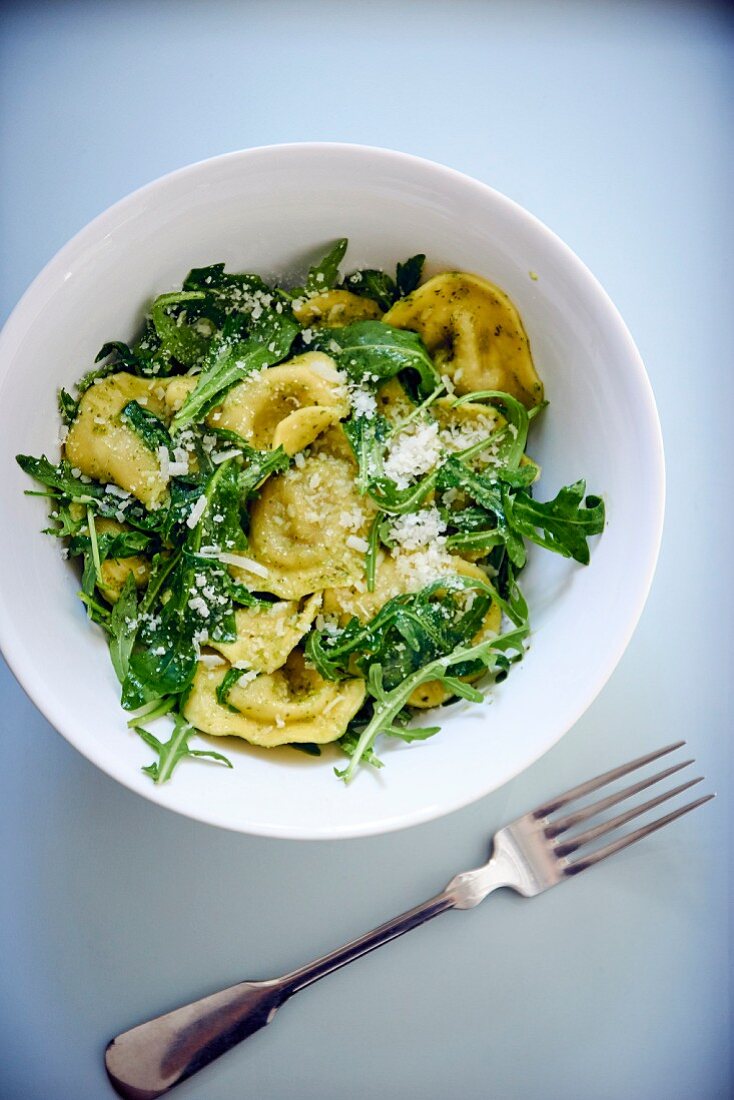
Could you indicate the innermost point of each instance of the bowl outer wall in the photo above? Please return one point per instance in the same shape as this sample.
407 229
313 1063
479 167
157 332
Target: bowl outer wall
273 209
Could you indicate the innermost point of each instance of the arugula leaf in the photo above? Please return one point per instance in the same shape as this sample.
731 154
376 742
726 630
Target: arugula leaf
68 407
122 628
399 501
66 520
214 280
563 524
373 543
366 436
323 275
172 752
147 426
231 677
121 355
370 283
221 524
163 661
408 274
228 293
72 490
119 544
487 492
179 340
389 704
373 352
380 287
59 478
406 633
308 747
234 353
512 438
258 467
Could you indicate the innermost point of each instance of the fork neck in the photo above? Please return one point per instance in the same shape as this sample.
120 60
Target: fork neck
398 926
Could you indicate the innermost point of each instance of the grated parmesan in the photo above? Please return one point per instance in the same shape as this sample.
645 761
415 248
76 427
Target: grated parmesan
243 562
211 660
162 453
196 512
413 452
416 529
224 456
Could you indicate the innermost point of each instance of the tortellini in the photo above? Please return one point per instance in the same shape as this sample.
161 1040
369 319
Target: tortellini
103 446
474 333
266 634
287 406
336 308
308 529
292 705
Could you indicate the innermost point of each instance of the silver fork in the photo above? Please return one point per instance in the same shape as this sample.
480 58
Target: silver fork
530 855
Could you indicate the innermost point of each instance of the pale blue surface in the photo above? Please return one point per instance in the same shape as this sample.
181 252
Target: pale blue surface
608 122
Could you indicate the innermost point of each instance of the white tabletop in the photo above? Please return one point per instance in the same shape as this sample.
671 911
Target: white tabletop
608 121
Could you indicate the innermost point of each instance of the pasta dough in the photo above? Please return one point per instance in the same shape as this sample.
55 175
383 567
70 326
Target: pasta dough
291 705
308 529
336 308
103 446
474 333
267 634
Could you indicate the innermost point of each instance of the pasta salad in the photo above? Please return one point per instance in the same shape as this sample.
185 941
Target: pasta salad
301 513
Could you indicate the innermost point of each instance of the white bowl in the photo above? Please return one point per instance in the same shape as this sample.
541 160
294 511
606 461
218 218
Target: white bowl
271 210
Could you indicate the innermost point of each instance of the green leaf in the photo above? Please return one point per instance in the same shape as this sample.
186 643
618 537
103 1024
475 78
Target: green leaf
389 704
122 628
152 674
409 631
307 747
121 357
179 340
150 428
231 677
122 544
373 284
146 359
258 467
323 275
172 752
563 524
380 287
367 436
486 491
510 441
408 274
234 353
372 352
68 407
59 478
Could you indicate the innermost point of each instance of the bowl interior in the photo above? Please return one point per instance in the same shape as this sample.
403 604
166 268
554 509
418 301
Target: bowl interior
272 211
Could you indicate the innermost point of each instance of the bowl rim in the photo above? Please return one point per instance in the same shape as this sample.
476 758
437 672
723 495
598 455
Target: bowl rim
27 674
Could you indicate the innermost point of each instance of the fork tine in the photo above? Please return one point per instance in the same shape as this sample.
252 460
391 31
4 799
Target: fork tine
600 781
579 865
555 828
578 841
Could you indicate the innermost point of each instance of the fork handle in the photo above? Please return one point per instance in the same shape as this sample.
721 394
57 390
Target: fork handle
153 1057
